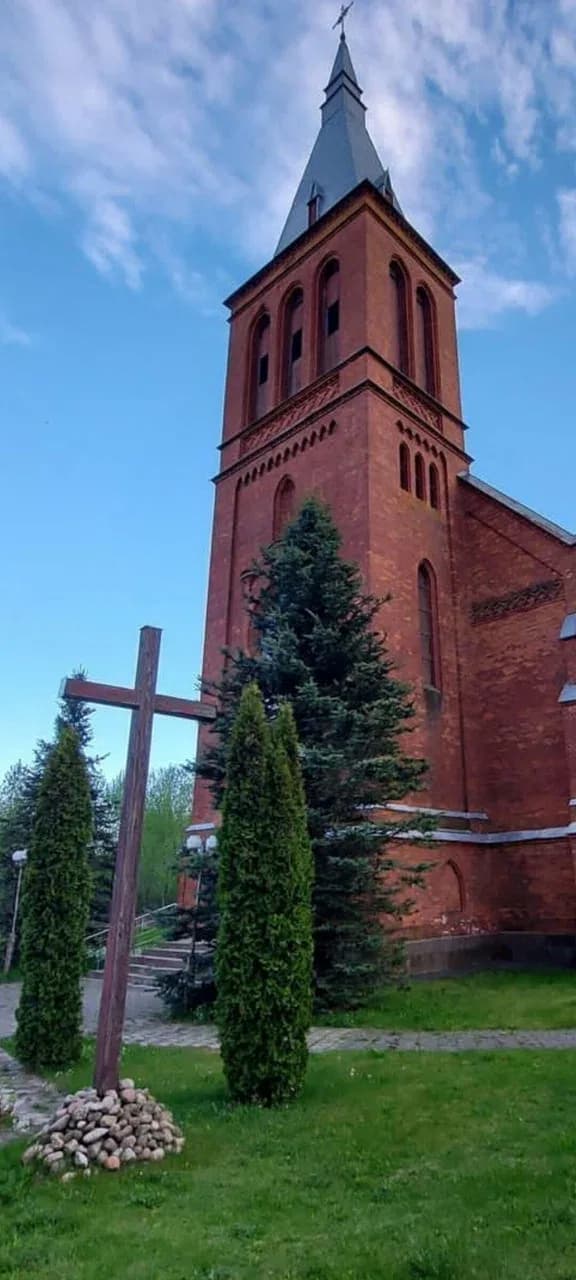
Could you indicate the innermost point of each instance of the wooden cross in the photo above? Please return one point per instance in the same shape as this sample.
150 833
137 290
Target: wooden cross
341 21
144 703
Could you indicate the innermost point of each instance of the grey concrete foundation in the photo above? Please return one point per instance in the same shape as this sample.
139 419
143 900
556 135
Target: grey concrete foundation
440 957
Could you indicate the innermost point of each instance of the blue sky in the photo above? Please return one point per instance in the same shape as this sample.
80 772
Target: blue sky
148 157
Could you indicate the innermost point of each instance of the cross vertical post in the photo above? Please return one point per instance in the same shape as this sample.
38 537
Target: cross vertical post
123 910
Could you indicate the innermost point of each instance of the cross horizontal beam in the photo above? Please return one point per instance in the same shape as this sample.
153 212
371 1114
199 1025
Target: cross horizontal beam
107 695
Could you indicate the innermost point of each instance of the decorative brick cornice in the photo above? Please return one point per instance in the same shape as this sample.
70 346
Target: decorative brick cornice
304 440
298 408
417 403
497 607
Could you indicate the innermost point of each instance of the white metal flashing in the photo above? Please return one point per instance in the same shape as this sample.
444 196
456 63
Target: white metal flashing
526 512
568 631
568 693
494 837
439 813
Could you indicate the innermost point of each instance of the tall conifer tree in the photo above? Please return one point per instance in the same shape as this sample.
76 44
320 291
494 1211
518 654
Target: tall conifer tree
319 647
55 907
105 810
265 939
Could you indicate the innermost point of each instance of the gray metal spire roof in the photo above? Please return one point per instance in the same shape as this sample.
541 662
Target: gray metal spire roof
343 155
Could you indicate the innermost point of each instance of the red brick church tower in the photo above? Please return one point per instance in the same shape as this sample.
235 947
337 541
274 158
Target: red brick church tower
343 381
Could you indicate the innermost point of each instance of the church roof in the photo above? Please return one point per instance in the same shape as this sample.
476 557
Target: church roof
343 155
526 512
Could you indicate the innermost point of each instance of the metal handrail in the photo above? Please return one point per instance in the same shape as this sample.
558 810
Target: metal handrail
138 923
96 942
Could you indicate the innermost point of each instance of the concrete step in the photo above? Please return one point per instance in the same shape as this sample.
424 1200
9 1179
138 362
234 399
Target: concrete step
162 953
150 960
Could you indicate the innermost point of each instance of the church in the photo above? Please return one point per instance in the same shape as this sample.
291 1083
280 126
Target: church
343 381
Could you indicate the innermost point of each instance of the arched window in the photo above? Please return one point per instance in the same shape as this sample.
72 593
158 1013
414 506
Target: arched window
293 346
284 504
425 346
260 370
456 893
420 477
329 317
428 626
405 476
400 347
434 486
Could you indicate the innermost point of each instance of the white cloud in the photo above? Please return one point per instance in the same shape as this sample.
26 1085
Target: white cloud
184 113
485 296
11 334
567 209
14 160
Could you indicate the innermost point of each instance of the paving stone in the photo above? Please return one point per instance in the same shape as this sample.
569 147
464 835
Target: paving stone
146 1025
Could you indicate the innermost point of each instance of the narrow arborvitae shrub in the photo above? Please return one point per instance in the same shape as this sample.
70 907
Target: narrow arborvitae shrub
21 787
263 963
318 643
55 910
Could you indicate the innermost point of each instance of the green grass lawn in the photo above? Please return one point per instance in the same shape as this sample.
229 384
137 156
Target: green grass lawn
495 1000
400 1167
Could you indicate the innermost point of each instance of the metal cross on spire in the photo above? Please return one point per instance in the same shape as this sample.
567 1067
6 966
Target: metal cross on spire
341 21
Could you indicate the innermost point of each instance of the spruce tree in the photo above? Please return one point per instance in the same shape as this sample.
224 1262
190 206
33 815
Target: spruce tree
264 945
55 908
319 646
192 988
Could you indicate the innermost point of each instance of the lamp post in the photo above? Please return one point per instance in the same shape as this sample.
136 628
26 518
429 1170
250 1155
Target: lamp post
200 846
19 858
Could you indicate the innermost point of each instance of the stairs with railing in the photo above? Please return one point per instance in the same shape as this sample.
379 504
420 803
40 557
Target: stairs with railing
153 951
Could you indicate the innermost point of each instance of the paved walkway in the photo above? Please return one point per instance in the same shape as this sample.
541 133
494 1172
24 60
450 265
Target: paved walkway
29 1100
147 1025
330 1040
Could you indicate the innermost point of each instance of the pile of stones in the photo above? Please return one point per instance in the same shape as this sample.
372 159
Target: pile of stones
89 1132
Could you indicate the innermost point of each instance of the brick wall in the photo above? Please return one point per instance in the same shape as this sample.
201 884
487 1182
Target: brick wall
494 734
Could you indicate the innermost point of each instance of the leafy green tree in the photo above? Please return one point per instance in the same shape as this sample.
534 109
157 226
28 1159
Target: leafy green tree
168 802
55 910
265 940
319 647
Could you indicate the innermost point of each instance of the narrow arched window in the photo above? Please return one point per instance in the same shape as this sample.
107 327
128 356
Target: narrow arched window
400 347
428 627
434 486
293 343
284 504
425 346
405 477
260 370
329 317
420 477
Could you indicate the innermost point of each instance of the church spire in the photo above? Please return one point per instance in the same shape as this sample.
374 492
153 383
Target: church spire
343 155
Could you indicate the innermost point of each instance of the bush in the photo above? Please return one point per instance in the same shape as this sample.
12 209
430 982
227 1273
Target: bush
264 956
55 910
184 995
